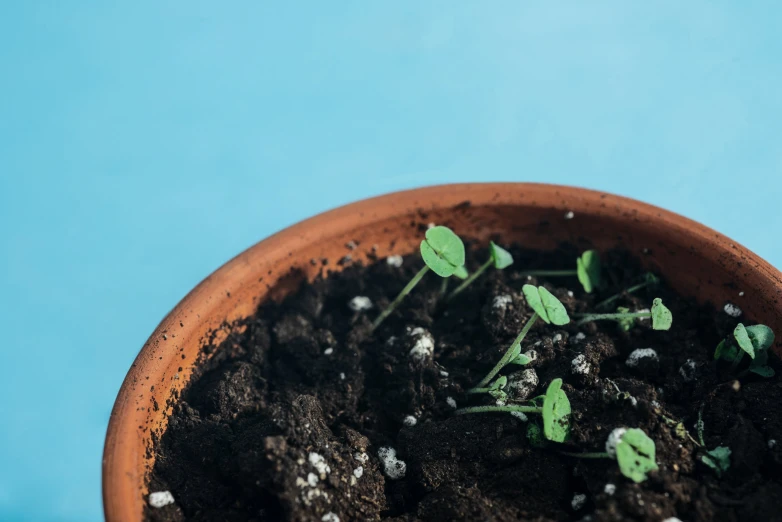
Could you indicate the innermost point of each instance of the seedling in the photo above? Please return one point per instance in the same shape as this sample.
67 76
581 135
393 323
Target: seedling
717 459
498 257
545 306
650 280
443 253
755 341
661 316
587 270
555 411
633 450
495 389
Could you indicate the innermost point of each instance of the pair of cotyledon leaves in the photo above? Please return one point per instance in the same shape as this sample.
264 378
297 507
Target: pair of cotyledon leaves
443 252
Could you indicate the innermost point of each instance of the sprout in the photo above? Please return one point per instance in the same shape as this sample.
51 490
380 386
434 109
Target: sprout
753 340
498 257
633 450
555 411
650 280
587 271
661 316
717 459
443 253
548 308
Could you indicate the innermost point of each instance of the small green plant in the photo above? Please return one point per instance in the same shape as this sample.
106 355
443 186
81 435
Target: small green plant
498 257
717 459
443 254
755 341
633 450
555 410
548 308
587 270
661 316
650 280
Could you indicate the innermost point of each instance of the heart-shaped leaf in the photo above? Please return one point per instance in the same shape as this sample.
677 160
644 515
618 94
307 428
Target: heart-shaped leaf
556 412
500 256
588 270
762 336
548 307
661 316
521 359
443 251
743 340
635 453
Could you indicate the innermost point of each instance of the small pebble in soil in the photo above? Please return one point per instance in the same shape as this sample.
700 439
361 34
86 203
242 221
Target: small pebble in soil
361 457
319 463
771 443
341 376
732 310
501 301
579 499
312 479
395 261
328 351
358 472
160 499
580 366
423 343
393 468
570 293
557 338
672 519
688 370
522 384
443 373
330 517
741 294
360 303
410 421
613 440
569 214
579 337
451 402
610 489
638 355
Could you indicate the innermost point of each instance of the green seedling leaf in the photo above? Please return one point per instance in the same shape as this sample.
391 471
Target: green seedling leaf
556 413
499 383
759 364
461 272
635 453
521 360
442 251
661 316
762 336
548 307
500 256
743 340
588 270
717 459
625 323
535 435
727 351
500 395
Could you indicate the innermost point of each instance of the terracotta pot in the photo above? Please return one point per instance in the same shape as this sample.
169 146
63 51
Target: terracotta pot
693 258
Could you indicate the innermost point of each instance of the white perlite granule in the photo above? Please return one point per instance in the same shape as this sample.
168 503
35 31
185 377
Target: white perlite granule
341 376
771 443
732 310
741 294
579 337
392 467
358 472
580 366
423 346
360 303
395 261
521 384
638 354
451 402
570 293
410 421
330 517
569 214
613 440
610 489
520 415
557 338
160 499
319 463
579 499
361 457
328 351
501 301
672 519
687 370
443 373
312 479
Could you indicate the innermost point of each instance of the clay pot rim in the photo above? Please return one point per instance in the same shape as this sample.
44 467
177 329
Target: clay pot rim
120 447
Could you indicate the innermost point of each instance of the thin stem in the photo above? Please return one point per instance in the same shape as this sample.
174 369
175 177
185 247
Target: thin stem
406 290
508 354
550 273
490 409
444 286
594 455
471 278
585 318
478 390
700 426
635 288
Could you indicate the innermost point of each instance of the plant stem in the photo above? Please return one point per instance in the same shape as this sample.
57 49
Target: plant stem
444 286
594 455
508 354
406 290
490 409
471 278
550 273
478 390
630 290
585 318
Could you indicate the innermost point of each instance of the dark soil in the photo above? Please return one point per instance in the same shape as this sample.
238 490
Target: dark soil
305 380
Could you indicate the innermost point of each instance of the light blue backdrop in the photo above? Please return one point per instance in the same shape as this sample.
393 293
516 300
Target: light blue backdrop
144 143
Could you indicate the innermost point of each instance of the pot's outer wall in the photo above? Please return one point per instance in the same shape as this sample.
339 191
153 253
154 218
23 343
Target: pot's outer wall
693 259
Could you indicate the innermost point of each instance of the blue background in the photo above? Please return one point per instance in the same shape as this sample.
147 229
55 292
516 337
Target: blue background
144 143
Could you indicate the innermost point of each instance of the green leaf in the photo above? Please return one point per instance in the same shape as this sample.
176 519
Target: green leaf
651 279
535 435
759 364
762 336
499 383
498 394
635 453
548 307
442 251
743 340
500 256
521 360
556 412
661 316
461 272
538 401
625 323
727 351
588 270
717 459
763 371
